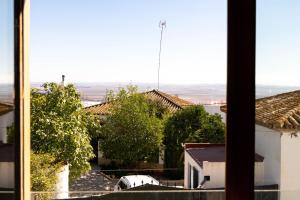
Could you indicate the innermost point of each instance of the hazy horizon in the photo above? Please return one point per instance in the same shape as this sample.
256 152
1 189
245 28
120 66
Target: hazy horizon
155 84
196 93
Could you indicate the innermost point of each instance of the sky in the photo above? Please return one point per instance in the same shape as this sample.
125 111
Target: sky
118 41
6 42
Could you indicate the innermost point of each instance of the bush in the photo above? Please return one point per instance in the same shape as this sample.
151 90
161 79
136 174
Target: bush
44 169
192 124
60 126
133 131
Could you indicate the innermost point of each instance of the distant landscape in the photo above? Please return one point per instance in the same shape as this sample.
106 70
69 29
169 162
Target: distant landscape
200 93
211 95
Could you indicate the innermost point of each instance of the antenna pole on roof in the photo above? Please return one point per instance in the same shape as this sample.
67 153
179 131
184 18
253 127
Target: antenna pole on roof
162 26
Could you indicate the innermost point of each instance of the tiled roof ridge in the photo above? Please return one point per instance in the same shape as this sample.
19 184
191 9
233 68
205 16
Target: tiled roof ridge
5 108
164 95
285 114
289 119
7 104
278 95
175 97
278 112
98 104
172 102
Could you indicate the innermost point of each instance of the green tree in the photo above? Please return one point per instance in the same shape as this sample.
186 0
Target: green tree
59 126
132 132
10 133
43 174
192 124
212 131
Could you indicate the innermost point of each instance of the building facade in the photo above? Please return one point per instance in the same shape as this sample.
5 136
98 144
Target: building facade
204 166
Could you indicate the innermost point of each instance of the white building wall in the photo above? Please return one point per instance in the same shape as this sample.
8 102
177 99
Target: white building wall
189 160
268 145
62 185
290 162
216 171
259 173
7 174
5 121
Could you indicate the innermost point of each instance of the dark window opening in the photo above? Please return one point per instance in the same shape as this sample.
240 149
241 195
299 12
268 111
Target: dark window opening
206 178
195 178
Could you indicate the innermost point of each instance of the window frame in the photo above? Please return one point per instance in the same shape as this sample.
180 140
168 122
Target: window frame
22 99
240 120
240 101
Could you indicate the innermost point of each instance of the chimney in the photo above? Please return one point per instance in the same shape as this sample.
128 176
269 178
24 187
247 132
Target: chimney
63 80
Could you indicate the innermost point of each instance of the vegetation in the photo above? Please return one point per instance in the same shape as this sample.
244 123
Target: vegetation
10 133
60 126
133 130
44 169
192 124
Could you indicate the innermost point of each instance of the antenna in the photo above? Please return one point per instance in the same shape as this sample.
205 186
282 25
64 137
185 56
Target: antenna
162 25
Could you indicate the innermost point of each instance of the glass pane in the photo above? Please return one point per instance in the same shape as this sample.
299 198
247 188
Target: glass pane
174 52
6 99
278 99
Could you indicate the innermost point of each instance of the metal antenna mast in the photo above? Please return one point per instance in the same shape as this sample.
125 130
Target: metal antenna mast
162 26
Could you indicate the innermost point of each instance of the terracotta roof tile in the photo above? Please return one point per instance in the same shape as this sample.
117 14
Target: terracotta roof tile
173 103
281 111
99 109
5 108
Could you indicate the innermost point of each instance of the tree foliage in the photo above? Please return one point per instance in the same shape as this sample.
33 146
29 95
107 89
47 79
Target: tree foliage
212 131
10 133
59 126
192 124
43 174
133 130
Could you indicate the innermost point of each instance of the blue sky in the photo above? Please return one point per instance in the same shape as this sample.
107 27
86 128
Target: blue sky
6 42
278 42
118 41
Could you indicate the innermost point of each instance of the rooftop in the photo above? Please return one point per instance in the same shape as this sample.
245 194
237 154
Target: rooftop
280 111
173 103
210 152
5 108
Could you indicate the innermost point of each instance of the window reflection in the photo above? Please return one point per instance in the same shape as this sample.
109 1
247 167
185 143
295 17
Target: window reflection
6 99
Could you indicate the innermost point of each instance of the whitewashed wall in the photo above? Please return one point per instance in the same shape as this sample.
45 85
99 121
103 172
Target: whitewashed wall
282 160
7 174
5 121
216 171
290 162
189 160
259 173
268 145
62 186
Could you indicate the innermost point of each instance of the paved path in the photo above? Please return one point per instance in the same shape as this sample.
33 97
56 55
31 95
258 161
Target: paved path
93 181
